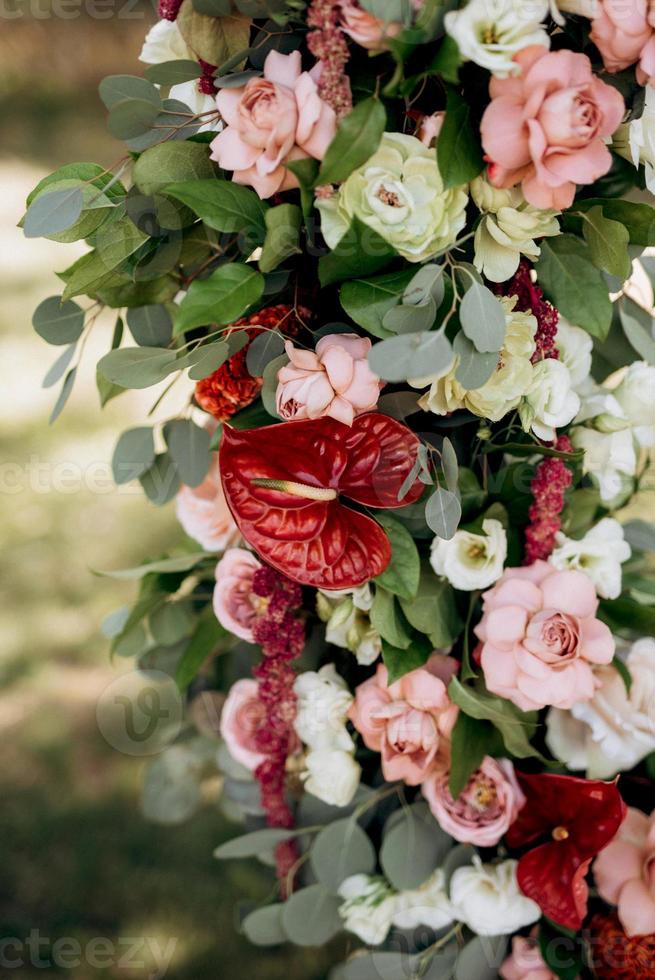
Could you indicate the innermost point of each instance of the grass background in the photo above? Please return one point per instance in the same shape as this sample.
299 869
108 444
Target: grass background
78 860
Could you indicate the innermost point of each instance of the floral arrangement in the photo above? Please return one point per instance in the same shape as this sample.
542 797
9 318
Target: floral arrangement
394 254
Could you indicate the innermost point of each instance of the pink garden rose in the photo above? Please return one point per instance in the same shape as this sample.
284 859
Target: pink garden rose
485 808
335 380
204 514
235 604
365 29
430 127
242 715
272 120
526 961
540 637
623 31
625 873
545 129
409 721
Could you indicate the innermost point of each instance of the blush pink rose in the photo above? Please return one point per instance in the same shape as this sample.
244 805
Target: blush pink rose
365 29
540 637
272 120
485 808
242 716
335 380
409 721
545 129
235 604
204 514
625 873
430 127
624 33
526 961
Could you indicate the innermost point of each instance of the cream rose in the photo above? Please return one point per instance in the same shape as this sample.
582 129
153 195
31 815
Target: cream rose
550 402
471 561
599 554
487 898
332 775
491 32
322 709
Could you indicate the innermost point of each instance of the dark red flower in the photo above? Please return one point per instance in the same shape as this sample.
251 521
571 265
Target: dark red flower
616 956
284 485
231 388
570 820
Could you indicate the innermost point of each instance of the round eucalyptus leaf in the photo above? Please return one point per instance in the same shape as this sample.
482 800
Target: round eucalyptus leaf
53 212
134 454
311 916
474 368
204 360
162 481
264 348
138 367
341 849
427 283
443 512
151 325
250 845
459 857
410 355
188 445
481 958
119 88
171 622
173 72
414 845
263 927
132 117
171 789
411 318
483 318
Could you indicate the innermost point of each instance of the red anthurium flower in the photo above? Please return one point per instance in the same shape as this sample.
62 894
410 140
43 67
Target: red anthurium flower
570 820
285 486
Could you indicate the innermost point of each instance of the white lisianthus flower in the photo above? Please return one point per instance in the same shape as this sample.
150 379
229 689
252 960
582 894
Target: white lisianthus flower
428 905
506 386
471 561
614 731
164 42
398 193
609 457
636 396
368 909
550 402
599 554
345 613
636 140
199 102
575 347
332 775
322 709
491 32
507 229
487 898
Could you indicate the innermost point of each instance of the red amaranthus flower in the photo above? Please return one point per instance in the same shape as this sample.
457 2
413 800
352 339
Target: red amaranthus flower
531 300
616 956
232 387
551 481
284 485
568 821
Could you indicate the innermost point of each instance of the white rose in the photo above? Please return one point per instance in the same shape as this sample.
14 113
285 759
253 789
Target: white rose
345 613
636 396
488 900
322 709
636 140
368 909
615 730
332 775
425 906
575 347
164 43
491 32
550 401
471 561
609 457
598 554
199 102
507 229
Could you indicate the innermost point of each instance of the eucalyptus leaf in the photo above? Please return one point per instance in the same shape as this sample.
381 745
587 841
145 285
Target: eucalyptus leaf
138 367
53 212
413 847
407 318
205 360
131 118
311 916
173 162
263 927
481 958
173 72
340 850
151 325
263 349
638 327
133 455
119 88
64 395
367 301
483 319
443 512
58 322
165 566
56 371
412 355
162 481
449 464
188 445
473 369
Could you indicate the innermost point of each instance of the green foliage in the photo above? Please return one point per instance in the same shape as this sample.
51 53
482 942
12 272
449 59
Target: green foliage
340 850
402 661
221 298
433 610
188 445
388 619
224 206
138 367
459 153
150 325
608 243
357 138
571 281
203 641
483 319
443 512
310 917
367 301
413 846
516 727
402 574
411 355
637 326
213 39
361 252
282 235
161 481
57 322
173 72
114 243
172 162
471 740
134 454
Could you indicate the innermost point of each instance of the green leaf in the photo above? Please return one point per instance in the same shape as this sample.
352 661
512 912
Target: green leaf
637 325
640 535
282 235
202 643
306 171
173 72
516 727
608 243
90 174
213 39
367 301
269 387
114 243
131 118
188 445
133 455
165 566
433 611
459 153
138 367
573 284
443 513
172 162
413 847
64 395
151 325
480 958
162 481
402 574
412 355
639 219
58 322
340 850
361 252
621 667
205 360
53 212
264 349
118 88
447 60
388 620
221 298
400 662
263 927
56 371
627 617
471 741
171 622
357 138
224 205
251 845
483 319
311 916
449 465
562 952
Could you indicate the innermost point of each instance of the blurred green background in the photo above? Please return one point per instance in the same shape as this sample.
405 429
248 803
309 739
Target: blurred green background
78 860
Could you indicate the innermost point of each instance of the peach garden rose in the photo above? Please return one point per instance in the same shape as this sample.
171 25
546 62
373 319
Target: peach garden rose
241 717
204 514
625 873
623 31
235 605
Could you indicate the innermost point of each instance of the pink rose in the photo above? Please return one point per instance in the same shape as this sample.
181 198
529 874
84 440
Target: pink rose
430 127
272 120
409 721
526 961
624 33
365 29
485 808
625 873
545 128
335 380
242 716
540 637
204 514
235 604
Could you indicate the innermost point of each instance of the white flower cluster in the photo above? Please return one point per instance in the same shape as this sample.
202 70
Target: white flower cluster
332 774
345 613
164 43
491 32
